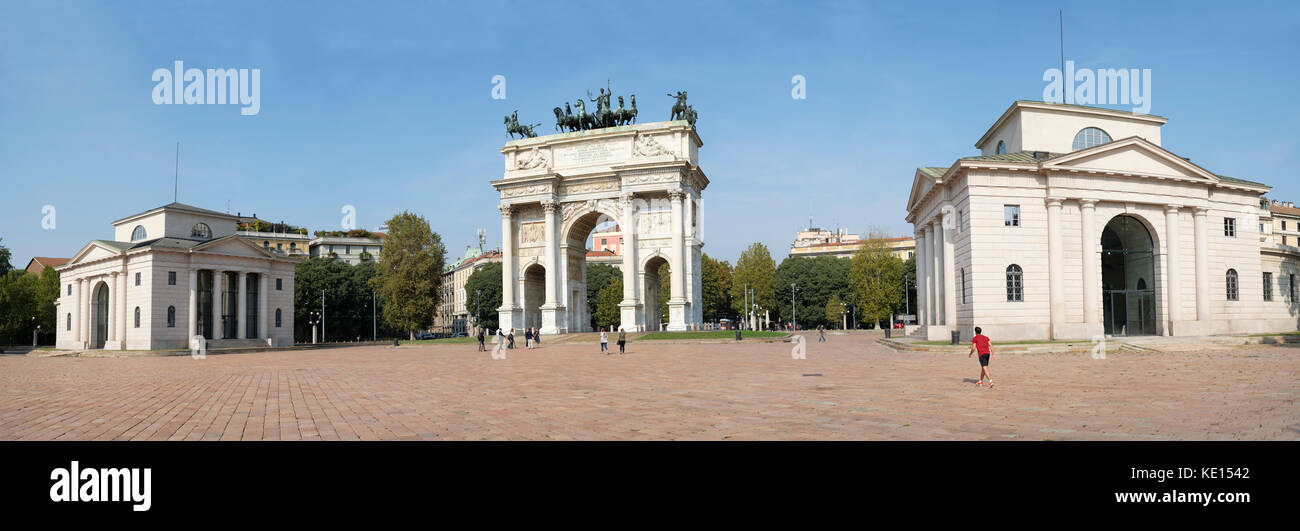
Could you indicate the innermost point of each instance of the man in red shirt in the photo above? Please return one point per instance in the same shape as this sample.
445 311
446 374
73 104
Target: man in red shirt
982 344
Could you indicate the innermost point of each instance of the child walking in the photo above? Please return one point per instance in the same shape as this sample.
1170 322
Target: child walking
604 341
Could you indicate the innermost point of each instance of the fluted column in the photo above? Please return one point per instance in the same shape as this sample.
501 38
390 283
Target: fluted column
922 305
87 317
241 305
113 296
936 263
218 328
677 290
192 317
929 276
508 268
1202 267
628 308
263 307
949 267
122 311
1172 264
550 321
1091 261
79 314
1055 266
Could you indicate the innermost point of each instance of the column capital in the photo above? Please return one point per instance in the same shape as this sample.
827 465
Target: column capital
506 210
81 280
1088 203
627 200
676 194
114 273
1173 209
1054 201
551 206
1201 211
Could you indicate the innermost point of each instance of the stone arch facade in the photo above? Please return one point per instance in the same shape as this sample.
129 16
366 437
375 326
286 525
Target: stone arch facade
557 188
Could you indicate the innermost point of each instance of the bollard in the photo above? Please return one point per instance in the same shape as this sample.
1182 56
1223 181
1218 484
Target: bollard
956 337
889 332
737 334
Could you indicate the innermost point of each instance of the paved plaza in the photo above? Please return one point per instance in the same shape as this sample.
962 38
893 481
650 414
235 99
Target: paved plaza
849 388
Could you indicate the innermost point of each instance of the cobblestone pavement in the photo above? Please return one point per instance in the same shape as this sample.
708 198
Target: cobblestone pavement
847 388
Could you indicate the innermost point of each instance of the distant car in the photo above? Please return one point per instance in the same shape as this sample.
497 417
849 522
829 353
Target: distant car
426 335
459 334
898 325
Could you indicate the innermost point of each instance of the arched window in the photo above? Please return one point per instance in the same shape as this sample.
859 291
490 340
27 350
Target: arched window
277 318
69 321
1088 137
1015 284
1231 279
1002 147
171 317
138 233
201 231
137 317
1142 283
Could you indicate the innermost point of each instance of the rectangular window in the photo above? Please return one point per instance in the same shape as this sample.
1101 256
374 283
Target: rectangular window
347 249
1283 224
1268 286
278 284
1011 215
963 285
137 279
293 246
1284 241
171 278
960 223
331 246
279 246
69 289
1230 227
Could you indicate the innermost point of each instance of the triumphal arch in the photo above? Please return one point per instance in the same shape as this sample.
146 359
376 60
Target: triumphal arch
557 188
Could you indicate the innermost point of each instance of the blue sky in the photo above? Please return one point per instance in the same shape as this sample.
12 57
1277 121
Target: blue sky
387 106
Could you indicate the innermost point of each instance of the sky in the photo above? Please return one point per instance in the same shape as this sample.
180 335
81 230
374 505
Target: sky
387 106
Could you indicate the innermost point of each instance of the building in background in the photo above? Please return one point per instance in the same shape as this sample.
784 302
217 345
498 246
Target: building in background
280 238
840 244
1074 222
170 274
38 264
1283 223
457 312
352 247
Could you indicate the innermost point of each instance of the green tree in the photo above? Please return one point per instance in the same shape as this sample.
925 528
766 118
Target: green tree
485 283
47 293
17 307
410 273
349 297
755 269
835 311
817 280
599 276
877 279
607 312
716 283
5 255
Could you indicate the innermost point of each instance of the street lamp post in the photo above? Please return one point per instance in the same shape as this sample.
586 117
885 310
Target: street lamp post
322 316
478 308
374 322
794 321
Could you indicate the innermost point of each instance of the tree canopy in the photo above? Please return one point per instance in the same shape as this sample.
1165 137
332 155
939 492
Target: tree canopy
816 280
485 283
756 269
877 279
410 273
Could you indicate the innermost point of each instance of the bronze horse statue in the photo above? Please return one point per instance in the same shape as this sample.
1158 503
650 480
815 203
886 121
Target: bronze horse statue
679 107
513 126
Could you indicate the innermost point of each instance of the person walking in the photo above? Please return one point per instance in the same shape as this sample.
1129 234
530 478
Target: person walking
528 338
821 333
537 338
480 340
604 341
981 343
511 339
622 340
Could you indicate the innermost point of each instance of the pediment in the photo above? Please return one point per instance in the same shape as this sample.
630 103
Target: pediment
921 185
1131 156
233 245
91 252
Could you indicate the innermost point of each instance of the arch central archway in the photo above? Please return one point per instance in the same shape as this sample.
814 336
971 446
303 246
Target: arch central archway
1128 277
580 228
99 335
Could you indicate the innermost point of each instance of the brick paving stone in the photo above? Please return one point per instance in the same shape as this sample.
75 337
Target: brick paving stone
847 389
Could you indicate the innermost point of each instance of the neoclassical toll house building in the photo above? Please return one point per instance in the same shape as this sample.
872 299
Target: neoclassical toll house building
1074 222
170 274
557 189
